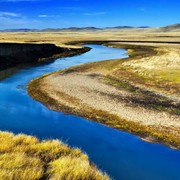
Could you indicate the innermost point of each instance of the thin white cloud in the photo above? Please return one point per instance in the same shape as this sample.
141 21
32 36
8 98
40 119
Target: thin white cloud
12 23
47 16
9 14
94 14
12 20
43 16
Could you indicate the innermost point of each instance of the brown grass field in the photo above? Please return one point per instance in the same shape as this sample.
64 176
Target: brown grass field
139 94
147 84
61 38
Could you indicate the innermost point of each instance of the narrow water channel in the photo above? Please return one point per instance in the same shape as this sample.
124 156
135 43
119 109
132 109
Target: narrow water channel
122 155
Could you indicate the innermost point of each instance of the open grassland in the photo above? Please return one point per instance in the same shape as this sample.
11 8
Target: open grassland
26 158
139 94
160 71
62 38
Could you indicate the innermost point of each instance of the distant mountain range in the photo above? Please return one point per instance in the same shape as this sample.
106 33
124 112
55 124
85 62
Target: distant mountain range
74 29
19 30
126 27
174 27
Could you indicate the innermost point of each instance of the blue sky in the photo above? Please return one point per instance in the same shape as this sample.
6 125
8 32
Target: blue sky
100 13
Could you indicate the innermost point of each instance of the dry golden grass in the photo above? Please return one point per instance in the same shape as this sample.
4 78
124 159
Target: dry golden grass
163 76
26 158
60 38
163 67
170 72
86 101
20 166
152 94
73 168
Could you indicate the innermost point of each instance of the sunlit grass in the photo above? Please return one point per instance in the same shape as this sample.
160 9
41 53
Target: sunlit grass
73 168
26 158
20 166
171 75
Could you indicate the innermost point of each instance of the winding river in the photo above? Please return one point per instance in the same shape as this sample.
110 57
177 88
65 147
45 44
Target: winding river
122 155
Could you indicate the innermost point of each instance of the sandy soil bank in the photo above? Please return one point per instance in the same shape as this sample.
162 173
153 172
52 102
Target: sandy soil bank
97 91
90 91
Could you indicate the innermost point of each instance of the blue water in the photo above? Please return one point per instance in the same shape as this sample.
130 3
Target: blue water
122 155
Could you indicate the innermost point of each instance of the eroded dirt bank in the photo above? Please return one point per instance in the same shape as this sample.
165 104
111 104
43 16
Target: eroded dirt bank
12 54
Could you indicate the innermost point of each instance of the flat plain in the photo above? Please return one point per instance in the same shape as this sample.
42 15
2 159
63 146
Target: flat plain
139 94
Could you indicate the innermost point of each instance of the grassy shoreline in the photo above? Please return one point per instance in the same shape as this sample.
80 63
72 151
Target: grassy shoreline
152 133
25 157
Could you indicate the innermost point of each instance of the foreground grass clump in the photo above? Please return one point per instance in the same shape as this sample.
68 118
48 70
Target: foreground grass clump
25 157
73 168
19 165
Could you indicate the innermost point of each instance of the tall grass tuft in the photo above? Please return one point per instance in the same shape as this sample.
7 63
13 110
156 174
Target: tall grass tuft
26 158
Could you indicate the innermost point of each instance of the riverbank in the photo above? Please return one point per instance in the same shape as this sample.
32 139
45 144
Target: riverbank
115 94
13 54
25 157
